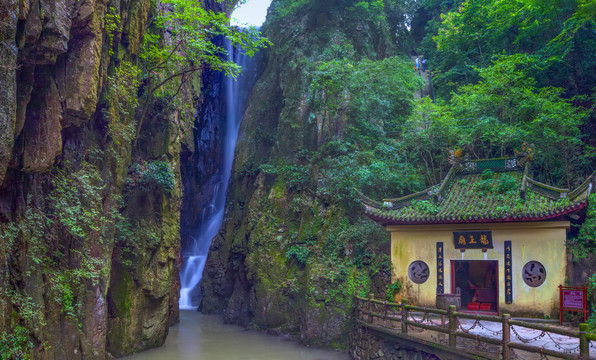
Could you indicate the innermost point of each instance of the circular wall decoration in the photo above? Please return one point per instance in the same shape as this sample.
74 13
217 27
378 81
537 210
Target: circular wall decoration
418 271
534 273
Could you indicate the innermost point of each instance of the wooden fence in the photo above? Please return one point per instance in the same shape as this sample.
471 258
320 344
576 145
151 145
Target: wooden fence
369 309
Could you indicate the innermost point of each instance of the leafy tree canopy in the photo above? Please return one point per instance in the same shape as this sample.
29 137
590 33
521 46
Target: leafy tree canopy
183 41
474 31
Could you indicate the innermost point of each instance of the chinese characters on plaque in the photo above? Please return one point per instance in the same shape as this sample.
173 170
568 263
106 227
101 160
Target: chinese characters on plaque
440 274
508 273
473 239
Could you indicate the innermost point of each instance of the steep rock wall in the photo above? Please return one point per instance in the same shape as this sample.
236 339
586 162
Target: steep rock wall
89 239
268 267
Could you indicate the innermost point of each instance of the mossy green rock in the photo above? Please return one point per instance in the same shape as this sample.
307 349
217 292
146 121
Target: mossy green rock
54 125
8 85
276 263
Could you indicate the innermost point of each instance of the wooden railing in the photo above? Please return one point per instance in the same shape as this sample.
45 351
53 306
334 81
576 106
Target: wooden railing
377 312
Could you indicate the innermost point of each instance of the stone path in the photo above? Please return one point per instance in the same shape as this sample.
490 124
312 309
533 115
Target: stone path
425 90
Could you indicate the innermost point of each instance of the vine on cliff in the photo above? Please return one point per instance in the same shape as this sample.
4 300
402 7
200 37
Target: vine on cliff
56 237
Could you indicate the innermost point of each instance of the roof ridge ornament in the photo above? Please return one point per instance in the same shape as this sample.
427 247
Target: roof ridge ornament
455 156
506 193
526 154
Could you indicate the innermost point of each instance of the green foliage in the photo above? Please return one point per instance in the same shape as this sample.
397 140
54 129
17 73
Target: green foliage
371 10
592 321
168 62
284 8
151 174
372 94
392 289
499 184
77 201
296 177
357 243
591 289
56 235
189 47
354 103
298 252
427 206
591 284
344 282
121 98
344 167
471 33
585 242
134 238
496 116
112 25
16 344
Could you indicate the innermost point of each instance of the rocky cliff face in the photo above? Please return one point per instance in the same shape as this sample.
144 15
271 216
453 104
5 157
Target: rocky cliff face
284 259
89 224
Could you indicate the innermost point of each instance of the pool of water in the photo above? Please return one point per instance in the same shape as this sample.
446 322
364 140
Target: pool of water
206 337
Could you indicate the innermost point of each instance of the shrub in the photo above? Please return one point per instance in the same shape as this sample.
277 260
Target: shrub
148 174
300 253
392 289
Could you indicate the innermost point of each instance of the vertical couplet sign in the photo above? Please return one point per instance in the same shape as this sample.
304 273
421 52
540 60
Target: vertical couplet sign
508 273
440 274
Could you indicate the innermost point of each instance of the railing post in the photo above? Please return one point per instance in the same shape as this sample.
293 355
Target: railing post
452 327
371 318
584 344
506 336
404 316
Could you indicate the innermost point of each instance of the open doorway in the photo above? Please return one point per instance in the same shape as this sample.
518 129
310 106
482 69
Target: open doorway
477 281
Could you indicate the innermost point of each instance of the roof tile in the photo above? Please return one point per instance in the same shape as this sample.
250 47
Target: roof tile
471 196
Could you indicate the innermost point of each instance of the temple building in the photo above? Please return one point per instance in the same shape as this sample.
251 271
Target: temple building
487 232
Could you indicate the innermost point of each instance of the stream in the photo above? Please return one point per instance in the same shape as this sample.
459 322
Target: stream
206 337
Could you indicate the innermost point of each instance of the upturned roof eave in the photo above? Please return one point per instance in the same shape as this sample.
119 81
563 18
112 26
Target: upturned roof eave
475 218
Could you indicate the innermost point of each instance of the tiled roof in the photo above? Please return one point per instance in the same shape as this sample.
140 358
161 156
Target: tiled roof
496 190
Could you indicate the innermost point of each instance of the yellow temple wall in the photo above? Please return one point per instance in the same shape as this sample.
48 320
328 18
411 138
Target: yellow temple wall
540 241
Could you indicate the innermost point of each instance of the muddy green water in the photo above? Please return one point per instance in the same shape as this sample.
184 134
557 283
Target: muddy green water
206 337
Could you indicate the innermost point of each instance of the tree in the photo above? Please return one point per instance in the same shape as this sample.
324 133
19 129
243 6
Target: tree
182 42
369 96
500 113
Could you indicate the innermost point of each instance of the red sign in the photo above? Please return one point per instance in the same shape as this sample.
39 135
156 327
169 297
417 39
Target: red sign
573 298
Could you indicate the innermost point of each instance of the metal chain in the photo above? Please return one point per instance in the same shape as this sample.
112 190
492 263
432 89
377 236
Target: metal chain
469 329
494 332
375 306
559 346
430 321
418 321
524 340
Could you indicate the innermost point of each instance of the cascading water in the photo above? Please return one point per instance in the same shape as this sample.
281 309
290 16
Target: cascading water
233 94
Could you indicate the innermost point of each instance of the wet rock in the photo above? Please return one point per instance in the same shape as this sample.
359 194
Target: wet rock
8 86
42 139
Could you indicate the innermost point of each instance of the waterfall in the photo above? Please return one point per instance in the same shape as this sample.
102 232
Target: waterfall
232 96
